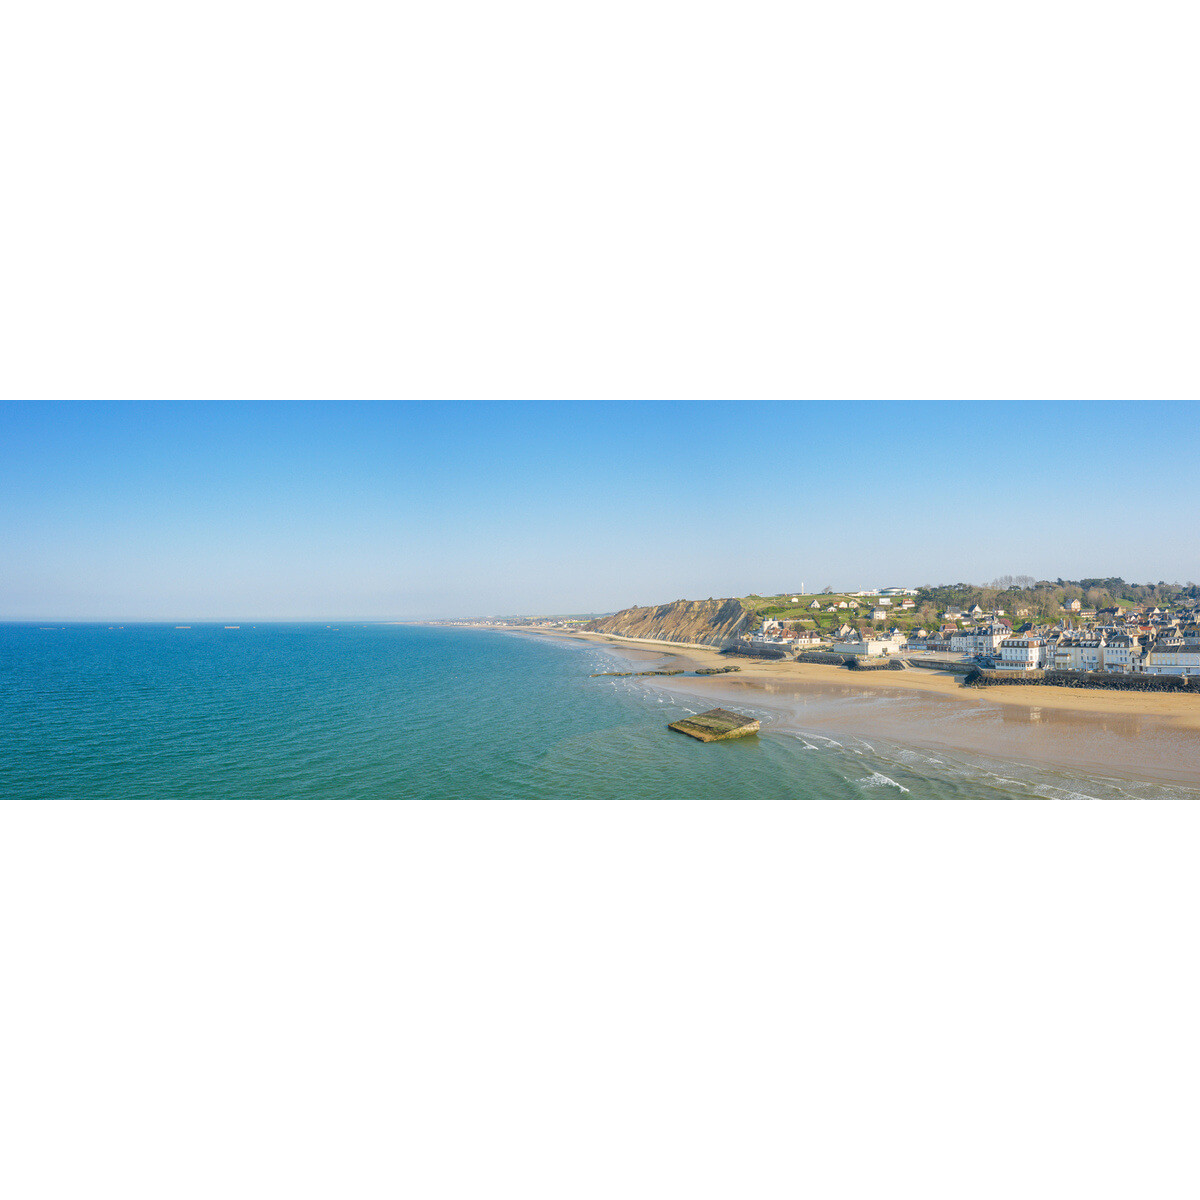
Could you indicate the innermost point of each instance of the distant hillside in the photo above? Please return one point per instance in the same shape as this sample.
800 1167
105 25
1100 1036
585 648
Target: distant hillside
707 622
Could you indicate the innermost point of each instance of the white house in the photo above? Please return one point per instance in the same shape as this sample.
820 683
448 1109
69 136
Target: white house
1022 654
879 614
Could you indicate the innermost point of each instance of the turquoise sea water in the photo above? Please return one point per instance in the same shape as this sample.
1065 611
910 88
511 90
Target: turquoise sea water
402 712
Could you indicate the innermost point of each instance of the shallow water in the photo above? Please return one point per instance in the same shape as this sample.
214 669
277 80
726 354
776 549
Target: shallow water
1130 746
408 712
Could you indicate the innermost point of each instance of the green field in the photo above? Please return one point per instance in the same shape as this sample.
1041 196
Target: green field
781 608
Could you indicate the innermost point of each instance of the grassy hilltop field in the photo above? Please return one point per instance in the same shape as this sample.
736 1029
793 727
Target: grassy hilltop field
797 609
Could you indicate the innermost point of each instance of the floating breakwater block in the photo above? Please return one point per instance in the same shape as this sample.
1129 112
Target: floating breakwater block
716 725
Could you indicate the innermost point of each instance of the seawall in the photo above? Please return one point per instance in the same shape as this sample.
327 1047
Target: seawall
959 668
1086 679
617 637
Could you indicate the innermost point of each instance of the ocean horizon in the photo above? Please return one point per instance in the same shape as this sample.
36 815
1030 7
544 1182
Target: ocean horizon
389 711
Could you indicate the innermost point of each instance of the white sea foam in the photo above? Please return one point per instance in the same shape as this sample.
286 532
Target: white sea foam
1057 793
1002 779
876 780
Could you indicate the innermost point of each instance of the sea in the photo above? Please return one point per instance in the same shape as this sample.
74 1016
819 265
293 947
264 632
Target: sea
408 712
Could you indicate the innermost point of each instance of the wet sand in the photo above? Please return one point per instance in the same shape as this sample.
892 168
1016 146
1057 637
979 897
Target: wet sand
1126 735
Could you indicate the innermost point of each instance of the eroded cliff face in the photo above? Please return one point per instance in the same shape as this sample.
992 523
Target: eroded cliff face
707 622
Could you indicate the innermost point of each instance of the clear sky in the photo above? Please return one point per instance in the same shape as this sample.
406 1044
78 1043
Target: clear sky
225 511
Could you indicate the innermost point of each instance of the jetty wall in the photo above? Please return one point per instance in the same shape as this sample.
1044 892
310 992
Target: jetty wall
959 668
764 652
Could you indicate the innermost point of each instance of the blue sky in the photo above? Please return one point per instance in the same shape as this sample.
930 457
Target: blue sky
167 511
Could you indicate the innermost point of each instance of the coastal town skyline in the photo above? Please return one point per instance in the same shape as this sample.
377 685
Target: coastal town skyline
1106 626
379 511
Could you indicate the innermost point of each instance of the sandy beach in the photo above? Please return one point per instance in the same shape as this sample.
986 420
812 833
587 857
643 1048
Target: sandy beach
1134 735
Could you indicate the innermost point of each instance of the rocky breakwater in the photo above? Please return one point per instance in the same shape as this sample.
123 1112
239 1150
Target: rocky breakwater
676 671
683 622
637 674
1086 679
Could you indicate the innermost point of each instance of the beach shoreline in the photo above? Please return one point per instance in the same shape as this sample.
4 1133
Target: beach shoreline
1140 736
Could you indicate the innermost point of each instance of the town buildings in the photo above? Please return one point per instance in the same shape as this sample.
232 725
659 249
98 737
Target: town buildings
1172 657
1121 652
1160 642
1082 653
980 639
1118 639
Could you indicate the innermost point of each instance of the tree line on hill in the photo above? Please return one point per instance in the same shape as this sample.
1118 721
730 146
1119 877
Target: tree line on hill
1047 599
